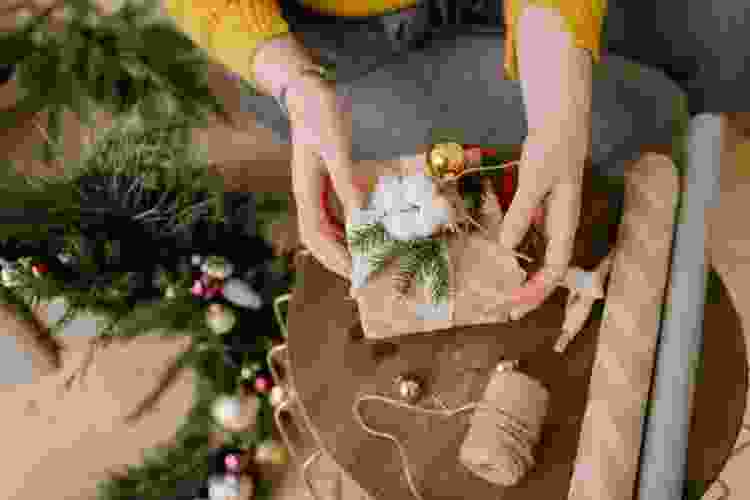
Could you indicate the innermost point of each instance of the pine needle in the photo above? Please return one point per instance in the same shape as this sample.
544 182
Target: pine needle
368 238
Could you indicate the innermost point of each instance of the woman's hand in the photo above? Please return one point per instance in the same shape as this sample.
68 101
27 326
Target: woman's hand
321 141
551 169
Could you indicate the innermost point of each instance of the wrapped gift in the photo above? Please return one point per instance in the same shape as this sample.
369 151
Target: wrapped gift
480 274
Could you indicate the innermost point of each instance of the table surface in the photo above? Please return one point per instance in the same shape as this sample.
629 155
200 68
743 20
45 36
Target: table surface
331 365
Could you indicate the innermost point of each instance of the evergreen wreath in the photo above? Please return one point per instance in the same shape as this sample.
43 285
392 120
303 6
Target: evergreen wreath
121 235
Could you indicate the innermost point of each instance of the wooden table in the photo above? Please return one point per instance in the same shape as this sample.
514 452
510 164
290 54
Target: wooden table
331 365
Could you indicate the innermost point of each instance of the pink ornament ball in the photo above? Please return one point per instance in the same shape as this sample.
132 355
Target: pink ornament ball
262 384
232 463
212 292
197 289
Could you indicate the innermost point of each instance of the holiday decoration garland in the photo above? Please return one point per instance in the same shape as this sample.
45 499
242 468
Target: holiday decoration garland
81 237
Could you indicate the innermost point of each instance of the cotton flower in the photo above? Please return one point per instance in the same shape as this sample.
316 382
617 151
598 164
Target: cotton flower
389 195
419 190
404 226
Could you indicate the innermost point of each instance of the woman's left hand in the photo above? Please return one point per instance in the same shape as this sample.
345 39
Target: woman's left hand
555 185
556 78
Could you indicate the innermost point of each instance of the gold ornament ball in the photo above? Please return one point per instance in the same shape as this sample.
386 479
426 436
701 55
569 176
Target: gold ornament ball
447 158
409 389
271 452
507 365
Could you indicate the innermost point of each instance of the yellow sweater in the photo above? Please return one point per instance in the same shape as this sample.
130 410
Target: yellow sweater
231 30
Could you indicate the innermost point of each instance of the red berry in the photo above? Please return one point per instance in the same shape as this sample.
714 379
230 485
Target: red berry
40 268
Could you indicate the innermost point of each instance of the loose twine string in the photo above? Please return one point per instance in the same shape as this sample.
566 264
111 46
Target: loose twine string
427 411
508 424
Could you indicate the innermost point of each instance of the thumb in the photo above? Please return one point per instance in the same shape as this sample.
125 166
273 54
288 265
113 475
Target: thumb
526 201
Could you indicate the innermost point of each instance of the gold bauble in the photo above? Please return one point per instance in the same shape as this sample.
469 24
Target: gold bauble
448 157
409 389
271 452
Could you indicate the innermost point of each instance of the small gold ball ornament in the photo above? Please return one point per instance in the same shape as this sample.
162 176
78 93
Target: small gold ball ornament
507 365
446 160
271 452
409 388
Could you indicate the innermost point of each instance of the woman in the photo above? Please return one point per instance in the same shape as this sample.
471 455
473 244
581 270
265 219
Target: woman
414 70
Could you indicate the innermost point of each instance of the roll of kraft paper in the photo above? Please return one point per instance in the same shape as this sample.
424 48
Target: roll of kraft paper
505 428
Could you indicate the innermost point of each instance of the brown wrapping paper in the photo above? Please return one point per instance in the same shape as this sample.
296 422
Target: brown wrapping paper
482 276
505 427
610 440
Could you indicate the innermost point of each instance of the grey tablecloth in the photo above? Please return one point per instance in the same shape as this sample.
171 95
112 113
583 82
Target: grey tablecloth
457 82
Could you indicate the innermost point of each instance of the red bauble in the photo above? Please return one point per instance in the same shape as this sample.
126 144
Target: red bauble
39 269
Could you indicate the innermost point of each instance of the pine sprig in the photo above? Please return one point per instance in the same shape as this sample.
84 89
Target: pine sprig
422 260
434 272
368 238
408 267
129 62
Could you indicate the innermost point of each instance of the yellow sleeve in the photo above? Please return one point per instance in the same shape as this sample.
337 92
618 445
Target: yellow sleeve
229 30
583 17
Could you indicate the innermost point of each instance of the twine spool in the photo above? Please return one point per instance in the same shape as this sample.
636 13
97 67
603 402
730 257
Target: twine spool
505 427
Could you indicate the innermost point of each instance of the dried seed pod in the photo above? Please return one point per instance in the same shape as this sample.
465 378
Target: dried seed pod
402 282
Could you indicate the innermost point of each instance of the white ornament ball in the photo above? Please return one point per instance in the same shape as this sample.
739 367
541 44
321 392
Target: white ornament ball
241 294
271 452
235 414
220 319
224 487
278 396
196 260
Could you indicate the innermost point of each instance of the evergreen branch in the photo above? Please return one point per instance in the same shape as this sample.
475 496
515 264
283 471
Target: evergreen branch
409 265
365 239
380 257
433 271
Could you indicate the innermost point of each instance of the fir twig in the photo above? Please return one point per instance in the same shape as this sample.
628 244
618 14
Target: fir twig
365 239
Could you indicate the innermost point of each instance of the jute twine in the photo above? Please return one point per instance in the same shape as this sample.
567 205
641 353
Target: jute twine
505 427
